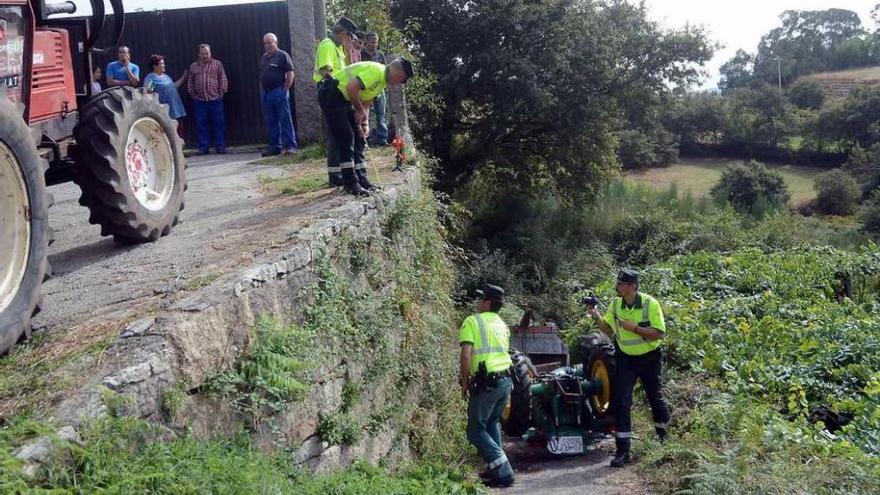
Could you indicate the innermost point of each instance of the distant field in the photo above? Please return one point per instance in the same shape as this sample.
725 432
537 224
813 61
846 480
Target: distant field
861 74
699 175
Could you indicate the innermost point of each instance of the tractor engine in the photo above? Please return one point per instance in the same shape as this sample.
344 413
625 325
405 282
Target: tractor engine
566 406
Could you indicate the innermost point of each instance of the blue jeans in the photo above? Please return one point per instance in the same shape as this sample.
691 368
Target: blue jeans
209 114
276 110
485 408
380 131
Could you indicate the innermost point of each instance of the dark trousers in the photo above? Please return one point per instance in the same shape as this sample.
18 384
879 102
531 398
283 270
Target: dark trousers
646 368
276 110
209 116
339 115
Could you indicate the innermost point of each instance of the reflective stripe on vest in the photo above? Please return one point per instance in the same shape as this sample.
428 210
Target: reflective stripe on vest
484 349
630 342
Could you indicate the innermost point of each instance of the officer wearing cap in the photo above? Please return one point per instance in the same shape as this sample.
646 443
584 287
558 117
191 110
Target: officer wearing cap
484 377
330 57
345 98
634 321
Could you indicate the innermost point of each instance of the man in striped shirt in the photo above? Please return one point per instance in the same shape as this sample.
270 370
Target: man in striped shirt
207 84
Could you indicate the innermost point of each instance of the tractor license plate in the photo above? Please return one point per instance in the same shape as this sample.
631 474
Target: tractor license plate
566 445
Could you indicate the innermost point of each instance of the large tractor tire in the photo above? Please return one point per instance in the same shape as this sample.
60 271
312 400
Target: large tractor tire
517 415
130 165
24 227
600 363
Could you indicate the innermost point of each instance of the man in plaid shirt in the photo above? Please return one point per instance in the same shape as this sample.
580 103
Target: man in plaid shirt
207 84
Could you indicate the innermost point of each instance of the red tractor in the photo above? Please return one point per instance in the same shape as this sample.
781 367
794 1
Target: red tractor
119 146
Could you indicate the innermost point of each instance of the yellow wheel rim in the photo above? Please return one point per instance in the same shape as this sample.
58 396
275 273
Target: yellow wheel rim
601 400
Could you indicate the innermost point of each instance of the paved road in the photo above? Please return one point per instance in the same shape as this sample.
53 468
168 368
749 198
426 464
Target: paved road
227 223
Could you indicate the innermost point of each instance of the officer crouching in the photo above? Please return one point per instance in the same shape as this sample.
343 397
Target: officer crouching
484 376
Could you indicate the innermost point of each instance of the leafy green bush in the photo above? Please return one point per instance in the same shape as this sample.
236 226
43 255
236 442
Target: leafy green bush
870 214
864 165
807 93
751 189
775 326
638 149
837 192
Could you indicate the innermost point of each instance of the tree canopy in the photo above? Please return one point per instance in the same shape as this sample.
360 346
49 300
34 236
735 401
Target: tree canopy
538 88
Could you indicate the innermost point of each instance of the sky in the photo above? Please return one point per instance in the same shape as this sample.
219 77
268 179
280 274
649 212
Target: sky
741 24
734 24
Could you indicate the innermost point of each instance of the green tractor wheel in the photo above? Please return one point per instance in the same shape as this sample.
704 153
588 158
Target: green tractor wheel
517 414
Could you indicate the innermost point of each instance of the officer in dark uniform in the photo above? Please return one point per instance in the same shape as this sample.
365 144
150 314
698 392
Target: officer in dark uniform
635 322
345 98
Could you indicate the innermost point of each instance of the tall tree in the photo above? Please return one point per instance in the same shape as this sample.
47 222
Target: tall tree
535 87
805 42
737 72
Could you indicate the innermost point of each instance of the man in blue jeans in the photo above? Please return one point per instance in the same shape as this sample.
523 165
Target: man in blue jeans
371 53
206 84
276 78
484 377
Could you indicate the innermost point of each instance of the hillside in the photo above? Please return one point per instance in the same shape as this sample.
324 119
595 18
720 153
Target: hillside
839 84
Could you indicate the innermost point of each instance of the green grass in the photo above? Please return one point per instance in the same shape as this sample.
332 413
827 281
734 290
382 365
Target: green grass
293 185
699 176
310 152
125 455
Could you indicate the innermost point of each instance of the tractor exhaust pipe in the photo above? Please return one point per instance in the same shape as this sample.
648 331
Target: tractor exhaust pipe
59 8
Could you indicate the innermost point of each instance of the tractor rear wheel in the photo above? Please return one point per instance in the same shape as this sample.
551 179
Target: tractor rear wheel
600 363
130 165
517 417
24 227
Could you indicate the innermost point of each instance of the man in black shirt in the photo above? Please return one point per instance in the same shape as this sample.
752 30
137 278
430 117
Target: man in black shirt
276 78
371 53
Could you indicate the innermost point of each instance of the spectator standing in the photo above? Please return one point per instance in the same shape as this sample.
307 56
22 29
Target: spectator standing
330 58
157 81
354 48
96 82
276 78
371 53
207 84
122 72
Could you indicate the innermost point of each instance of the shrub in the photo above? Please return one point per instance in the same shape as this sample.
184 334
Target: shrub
751 189
837 192
864 165
807 93
870 215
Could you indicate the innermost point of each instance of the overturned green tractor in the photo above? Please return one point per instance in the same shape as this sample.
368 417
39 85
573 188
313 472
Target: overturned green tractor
567 406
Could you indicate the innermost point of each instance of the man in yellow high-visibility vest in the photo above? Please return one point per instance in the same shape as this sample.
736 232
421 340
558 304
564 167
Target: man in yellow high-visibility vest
635 322
344 99
329 58
484 377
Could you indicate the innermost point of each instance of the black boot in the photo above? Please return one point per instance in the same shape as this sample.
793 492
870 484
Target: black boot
335 179
351 184
622 457
363 180
662 434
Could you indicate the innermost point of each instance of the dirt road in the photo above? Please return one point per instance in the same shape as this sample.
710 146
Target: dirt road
228 222
541 473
